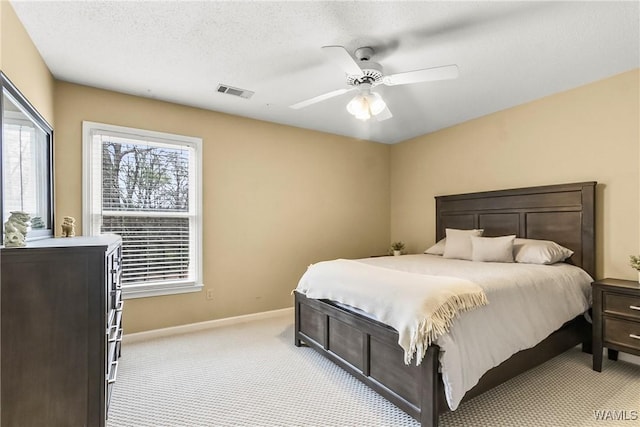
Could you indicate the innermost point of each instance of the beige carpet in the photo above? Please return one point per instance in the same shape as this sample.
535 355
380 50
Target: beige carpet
252 375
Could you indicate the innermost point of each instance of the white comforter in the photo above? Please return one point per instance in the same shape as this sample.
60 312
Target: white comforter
419 306
526 304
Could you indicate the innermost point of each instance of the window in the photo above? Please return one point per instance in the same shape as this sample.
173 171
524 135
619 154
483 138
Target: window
25 170
146 187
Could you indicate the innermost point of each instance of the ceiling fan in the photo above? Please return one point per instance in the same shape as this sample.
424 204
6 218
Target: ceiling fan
363 76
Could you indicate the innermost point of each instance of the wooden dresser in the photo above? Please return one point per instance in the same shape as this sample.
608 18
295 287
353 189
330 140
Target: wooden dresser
61 326
616 319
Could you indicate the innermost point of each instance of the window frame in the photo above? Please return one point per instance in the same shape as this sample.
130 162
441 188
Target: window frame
38 120
88 202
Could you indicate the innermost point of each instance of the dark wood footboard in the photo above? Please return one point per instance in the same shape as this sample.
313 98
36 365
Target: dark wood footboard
369 351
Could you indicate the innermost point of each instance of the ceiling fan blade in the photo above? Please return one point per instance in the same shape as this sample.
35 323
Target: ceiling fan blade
320 98
383 115
425 75
340 56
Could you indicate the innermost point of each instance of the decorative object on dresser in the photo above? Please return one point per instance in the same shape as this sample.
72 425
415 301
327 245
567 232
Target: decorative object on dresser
397 248
37 223
616 319
69 226
369 350
15 229
634 261
61 331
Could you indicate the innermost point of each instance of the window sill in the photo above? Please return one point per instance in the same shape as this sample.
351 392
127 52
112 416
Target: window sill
144 291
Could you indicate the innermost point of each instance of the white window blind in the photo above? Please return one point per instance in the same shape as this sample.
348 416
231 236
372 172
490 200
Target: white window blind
144 186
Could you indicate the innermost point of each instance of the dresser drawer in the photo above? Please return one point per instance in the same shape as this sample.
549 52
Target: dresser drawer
111 379
108 397
623 305
113 349
114 301
114 325
622 332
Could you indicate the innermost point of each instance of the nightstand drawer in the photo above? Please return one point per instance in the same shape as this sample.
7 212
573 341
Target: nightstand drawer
622 332
623 305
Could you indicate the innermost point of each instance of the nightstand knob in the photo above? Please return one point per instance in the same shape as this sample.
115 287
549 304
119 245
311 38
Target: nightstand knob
634 307
634 336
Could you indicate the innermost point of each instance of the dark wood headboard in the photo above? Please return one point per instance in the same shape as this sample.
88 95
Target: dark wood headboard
563 213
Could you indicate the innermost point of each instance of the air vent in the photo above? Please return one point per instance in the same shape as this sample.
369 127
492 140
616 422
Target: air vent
230 90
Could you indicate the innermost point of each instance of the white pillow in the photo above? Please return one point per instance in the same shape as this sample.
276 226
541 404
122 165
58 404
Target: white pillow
531 251
492 249
438 248
458 243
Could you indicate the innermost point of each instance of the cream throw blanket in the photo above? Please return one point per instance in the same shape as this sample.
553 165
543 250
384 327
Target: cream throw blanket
420 307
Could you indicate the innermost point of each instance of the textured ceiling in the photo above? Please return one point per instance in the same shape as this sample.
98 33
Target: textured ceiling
508 53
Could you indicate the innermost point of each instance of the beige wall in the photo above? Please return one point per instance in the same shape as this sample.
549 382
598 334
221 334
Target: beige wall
588 133
22 63
276 199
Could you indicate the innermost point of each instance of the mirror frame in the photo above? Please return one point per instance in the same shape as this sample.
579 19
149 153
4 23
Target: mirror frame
6 86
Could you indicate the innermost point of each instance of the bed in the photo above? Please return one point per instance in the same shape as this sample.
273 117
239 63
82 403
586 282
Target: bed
369 349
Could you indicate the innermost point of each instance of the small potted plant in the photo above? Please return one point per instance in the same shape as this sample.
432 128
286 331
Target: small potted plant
635 263
397 248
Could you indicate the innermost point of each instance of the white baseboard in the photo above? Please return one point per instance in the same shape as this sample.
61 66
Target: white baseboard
192 327
631 358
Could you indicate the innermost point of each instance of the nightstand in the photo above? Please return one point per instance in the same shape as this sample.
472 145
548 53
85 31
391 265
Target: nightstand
616 319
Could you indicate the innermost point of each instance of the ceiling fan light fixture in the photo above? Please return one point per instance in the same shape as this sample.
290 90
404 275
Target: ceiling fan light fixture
365 105
363 115
358 106
376 103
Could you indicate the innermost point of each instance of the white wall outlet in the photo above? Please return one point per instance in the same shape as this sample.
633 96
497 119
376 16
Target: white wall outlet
209 293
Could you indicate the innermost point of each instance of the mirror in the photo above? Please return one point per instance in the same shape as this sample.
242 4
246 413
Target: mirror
26 147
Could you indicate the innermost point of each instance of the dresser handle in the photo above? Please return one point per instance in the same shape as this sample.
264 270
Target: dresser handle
634 307
113 328
634 336
117 338
114 370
